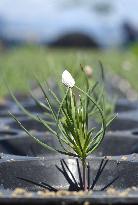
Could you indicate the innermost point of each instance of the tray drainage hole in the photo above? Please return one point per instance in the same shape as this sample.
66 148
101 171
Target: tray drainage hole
6 132
3 107
135 132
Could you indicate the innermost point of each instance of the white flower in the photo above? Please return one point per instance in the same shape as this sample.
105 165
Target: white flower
67 79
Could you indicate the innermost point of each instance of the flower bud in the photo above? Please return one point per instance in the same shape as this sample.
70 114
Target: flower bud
67 79
88 71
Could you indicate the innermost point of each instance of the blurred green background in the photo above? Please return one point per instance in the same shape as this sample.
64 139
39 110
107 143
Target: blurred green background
19 65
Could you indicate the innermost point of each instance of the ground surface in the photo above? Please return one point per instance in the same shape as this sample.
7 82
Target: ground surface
18 65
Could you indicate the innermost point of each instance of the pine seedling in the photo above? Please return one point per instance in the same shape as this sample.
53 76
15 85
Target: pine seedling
71 122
